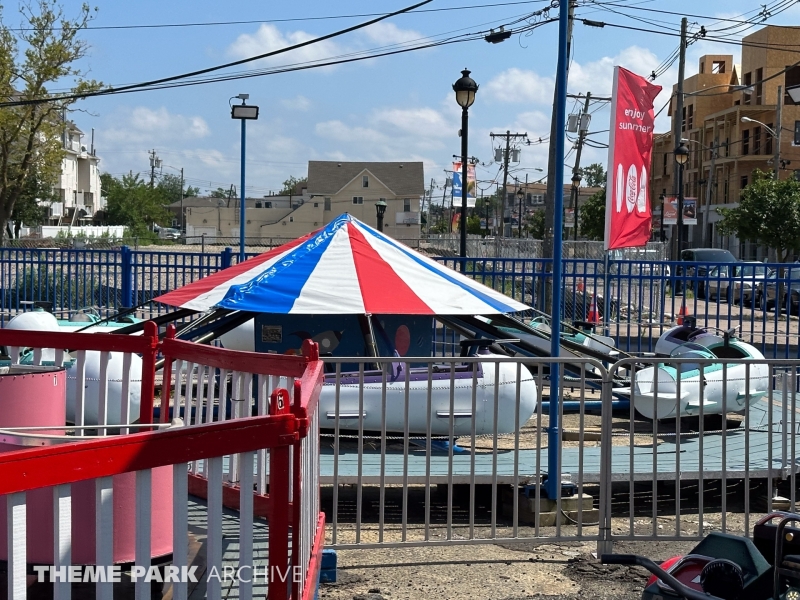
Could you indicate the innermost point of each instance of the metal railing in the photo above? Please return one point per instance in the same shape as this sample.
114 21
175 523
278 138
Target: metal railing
150 475
636 300
455 450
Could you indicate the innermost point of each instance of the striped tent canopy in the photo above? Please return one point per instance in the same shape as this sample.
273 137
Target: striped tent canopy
346 267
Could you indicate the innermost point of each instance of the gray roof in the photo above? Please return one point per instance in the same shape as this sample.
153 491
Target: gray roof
328 177
203 201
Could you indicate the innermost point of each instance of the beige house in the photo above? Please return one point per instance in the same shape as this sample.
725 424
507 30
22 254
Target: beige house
333 188
355 187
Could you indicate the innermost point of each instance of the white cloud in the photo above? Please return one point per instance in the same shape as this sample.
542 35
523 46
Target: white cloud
518 85
389 33
148 125
269 38
300 103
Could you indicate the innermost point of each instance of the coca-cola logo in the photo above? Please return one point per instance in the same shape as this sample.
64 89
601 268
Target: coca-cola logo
630 190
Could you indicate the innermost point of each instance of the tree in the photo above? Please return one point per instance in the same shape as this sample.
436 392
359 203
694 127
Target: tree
29 208
593 216
536 225
474 225
170 185
768 214
219 193
290 184
40 54
594 175
133 203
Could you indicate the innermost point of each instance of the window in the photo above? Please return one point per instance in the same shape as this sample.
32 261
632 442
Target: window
267 204
796 139
747 94
683 120
768 141
365 181
316 204
327 204
791 78
358 200
745 142
757 140
665 163
406 204
291 219
718 66
759 86
743 182
258 203
690 120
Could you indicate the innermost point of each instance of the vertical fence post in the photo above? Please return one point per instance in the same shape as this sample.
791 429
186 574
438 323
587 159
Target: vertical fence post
149 375
278 552
127 278
166 382
605 544
225 258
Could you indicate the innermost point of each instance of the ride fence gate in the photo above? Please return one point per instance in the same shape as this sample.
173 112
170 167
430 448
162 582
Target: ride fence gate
117 495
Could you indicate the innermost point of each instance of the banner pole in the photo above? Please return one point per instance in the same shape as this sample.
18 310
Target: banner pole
606 295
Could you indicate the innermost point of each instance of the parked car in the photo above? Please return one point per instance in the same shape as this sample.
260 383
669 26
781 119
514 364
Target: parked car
790 287
167 233
737 282
698 272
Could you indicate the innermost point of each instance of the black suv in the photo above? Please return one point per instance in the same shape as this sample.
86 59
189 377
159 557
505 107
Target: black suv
714 256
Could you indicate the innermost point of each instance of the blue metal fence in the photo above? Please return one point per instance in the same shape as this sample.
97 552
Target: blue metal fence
635 301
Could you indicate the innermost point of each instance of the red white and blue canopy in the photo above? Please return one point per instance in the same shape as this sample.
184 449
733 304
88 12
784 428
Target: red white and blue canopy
345 267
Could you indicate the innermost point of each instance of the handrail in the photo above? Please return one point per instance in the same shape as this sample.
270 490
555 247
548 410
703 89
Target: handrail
23 470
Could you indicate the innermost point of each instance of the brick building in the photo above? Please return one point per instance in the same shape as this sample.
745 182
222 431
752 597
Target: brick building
716 100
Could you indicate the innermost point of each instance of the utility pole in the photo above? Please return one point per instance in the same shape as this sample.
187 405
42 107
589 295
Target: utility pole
430 204
506 155
549 207
155 163
711 179
778 127
677 128
444 192
583 129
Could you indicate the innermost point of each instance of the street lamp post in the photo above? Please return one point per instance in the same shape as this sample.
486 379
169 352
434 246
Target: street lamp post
465 89
520 198
681 156
380 209
244 113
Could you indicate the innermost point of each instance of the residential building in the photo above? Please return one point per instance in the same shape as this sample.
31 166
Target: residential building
716 100
78 186
535 195
355 187
333 188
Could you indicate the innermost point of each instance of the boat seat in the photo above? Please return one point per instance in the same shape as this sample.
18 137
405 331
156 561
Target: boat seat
81 318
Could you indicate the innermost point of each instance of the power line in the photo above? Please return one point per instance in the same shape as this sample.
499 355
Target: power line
155 82
292 19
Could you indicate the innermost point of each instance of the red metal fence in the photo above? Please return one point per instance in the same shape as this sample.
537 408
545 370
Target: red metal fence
231 413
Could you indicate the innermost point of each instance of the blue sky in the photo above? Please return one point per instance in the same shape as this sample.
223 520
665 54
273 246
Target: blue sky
394 108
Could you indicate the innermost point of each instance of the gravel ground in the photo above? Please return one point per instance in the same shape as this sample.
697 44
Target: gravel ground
503 572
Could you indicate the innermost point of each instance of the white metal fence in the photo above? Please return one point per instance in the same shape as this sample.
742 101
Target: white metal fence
455 451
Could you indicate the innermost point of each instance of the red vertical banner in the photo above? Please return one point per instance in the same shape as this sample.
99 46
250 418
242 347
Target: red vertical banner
630 146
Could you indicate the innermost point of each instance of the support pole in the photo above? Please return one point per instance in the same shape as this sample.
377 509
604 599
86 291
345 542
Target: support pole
577 168
678 130
553 484
709 185
242 197
778 127
462 226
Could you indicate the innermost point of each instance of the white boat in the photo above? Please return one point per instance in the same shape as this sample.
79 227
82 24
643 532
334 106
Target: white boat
726 387
370 407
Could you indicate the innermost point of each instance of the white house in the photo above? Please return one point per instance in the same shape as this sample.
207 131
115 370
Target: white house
78 186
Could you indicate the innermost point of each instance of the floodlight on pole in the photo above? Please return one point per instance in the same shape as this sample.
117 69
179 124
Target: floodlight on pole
244 112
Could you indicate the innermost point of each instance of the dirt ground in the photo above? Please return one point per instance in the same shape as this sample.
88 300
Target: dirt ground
520 571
